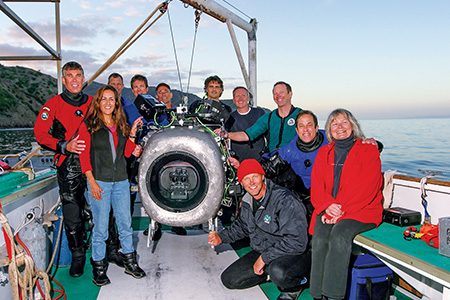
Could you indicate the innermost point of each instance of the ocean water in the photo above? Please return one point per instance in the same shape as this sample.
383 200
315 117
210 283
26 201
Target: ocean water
411 146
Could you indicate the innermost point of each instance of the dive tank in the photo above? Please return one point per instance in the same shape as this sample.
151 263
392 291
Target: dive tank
34 236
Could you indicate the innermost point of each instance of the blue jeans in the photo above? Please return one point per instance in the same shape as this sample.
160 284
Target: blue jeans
117 195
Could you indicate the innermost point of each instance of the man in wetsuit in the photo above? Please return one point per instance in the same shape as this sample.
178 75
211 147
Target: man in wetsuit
56 128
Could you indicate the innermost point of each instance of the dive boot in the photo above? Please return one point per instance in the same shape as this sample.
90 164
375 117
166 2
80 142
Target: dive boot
78 261
99 269
76 245
131 266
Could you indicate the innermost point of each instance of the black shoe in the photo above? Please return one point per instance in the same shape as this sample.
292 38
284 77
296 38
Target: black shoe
131 266
115 258
146 231
78 261
178 230
289 295
99 269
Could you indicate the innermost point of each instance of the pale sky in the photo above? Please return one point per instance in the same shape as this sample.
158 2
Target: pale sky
379 59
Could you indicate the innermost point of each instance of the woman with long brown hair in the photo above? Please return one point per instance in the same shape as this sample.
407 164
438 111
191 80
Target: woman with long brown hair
109 140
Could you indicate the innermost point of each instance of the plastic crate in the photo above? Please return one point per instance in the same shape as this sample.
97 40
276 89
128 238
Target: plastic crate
370 279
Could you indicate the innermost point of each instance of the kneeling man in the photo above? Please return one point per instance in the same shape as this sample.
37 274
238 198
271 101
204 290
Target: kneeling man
275 221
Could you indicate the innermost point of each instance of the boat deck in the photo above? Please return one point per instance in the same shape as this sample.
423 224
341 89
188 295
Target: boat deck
181 267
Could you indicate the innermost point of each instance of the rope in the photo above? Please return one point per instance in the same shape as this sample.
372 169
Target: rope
58 239
22 282
423 181
130 41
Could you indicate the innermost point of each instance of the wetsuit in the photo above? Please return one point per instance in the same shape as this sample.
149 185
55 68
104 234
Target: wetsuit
279 131
56 124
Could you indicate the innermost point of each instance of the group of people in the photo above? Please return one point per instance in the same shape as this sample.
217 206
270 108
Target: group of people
334 193
337 169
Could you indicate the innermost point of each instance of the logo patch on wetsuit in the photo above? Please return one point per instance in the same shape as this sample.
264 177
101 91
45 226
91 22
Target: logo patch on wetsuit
44 116
267 219
291 122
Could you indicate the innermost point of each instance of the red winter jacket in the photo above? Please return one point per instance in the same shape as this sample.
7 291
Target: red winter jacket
360 189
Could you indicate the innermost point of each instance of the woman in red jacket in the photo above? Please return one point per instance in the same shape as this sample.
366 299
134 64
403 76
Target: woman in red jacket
346 194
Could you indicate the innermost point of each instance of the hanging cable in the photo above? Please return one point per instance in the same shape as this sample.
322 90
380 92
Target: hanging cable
175 50
237 9
197 21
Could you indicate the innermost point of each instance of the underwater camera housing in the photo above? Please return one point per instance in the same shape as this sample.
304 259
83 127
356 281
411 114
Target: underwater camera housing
148 106
274 165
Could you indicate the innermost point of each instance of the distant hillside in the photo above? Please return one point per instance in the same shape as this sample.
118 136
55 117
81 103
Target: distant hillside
23 91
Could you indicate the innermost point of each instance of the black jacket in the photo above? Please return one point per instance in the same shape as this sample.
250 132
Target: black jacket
278 228
104 168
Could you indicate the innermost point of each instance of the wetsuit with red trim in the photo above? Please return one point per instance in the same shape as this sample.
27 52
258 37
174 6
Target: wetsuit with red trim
57 123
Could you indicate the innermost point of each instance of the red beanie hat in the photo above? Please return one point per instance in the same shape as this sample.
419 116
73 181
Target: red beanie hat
249 166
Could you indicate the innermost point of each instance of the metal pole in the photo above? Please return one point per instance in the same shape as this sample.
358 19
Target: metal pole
252 62
219 12
58 46
16 19
238 53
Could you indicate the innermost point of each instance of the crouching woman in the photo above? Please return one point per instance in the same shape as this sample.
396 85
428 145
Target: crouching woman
346 195
108 141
